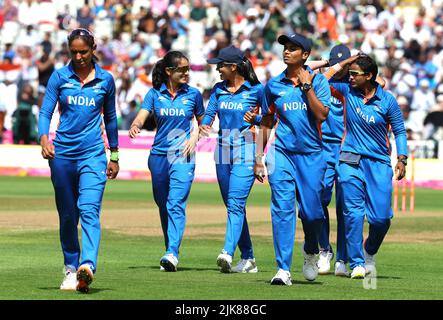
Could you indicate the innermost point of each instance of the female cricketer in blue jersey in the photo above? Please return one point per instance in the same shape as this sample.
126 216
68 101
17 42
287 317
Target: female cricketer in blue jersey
295 161
238 93
172 159
77 158
364 169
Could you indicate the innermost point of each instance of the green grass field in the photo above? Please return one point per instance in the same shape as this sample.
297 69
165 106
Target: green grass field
31 262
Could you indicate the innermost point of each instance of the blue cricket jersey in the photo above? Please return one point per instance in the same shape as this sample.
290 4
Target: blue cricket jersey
297 129
80 133
173 115
367 125
231 108
333 127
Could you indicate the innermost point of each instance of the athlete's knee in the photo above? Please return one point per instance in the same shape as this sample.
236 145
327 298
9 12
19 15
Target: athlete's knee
380 223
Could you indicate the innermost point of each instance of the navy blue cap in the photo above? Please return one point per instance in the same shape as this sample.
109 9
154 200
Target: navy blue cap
297 39
339 53
229 54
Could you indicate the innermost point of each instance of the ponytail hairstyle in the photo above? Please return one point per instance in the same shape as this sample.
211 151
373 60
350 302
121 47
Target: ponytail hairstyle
246 70
368 65
87 36
170 60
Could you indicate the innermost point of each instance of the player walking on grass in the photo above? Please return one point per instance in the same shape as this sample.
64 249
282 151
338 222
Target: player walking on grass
172 158
77 158
238 93
332 133
295 161
364 169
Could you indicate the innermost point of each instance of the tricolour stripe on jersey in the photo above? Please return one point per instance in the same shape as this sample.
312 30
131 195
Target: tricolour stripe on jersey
336 94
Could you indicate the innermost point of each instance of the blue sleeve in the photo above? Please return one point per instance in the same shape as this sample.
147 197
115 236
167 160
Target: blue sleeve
49 102
322 90
259 117
109 114
199 109
395 118
267 105
211 109
257 120
148 101
341 87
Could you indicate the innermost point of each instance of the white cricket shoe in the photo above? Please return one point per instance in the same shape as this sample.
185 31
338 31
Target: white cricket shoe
70 281
324 261
282 278
358 272
85 275
340 269
224 261
310 268
169 262
246 266
369 262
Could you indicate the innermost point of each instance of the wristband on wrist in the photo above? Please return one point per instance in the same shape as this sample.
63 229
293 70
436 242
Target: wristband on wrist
259 155
114 156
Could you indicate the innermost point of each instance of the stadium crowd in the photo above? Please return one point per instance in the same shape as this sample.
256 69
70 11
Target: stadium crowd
405 38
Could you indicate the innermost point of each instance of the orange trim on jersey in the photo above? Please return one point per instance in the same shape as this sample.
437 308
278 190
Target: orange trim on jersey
388 144
336 94
272 109
102 126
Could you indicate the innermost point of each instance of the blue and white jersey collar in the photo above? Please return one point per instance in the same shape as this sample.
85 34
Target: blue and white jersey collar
163 89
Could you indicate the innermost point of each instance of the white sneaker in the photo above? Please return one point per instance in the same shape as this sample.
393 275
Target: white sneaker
85 275
70 281
340 269
310 268
369 262
324 261
246 266
282 278
224 261
169 262
358 272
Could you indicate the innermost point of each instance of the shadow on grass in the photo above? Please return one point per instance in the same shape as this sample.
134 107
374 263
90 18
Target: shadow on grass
178 270
294 282
91 290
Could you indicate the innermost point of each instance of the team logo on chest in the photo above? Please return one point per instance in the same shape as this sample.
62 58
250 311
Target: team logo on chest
81 101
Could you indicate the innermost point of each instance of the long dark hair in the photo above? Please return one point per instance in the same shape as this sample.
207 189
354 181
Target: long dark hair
246 70
368 65
87 36
170 60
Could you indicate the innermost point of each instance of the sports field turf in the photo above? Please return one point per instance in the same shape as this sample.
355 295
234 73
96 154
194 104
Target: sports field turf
408 264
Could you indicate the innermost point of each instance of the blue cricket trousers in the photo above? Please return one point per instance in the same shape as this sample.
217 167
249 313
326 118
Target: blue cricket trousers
295 176
366 189
235 182
332 154
171 184
79 187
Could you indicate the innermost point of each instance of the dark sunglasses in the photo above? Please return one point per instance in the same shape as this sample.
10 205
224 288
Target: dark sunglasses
223 64
356 73
182 69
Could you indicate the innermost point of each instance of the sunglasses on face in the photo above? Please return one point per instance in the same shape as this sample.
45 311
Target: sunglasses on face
356 73
182 69
223 64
